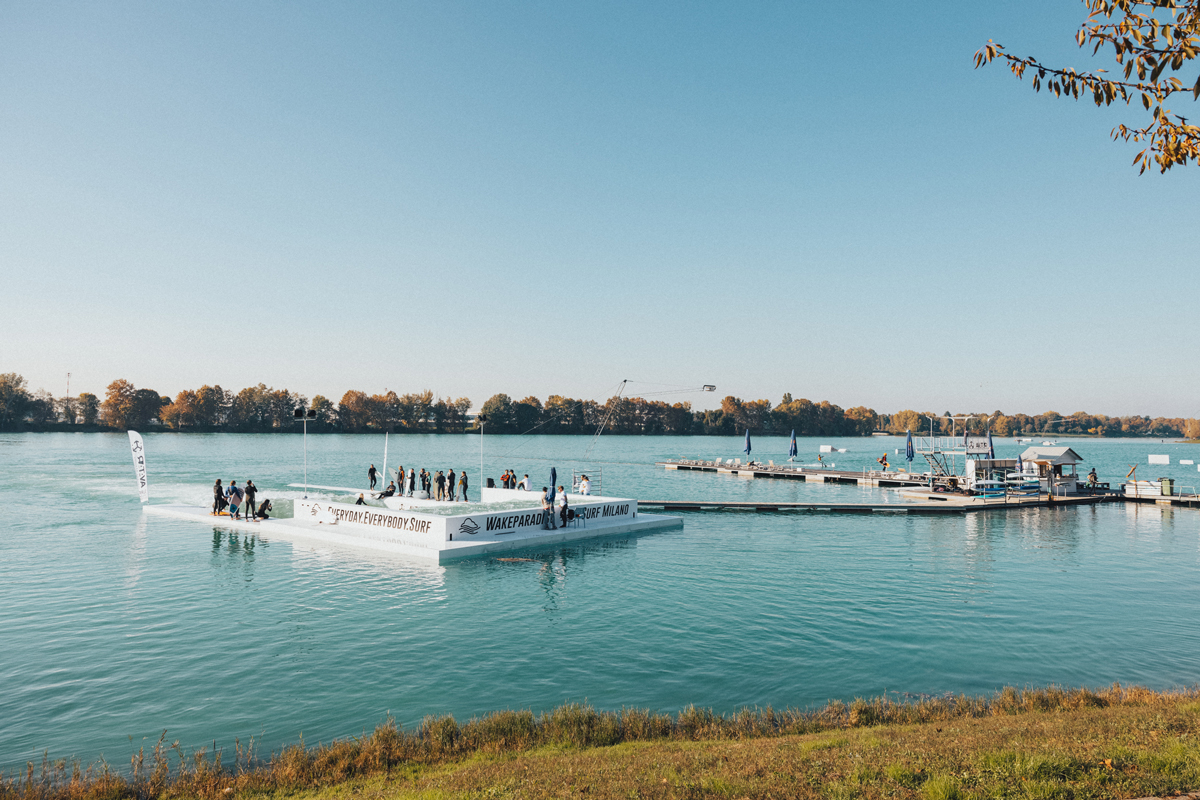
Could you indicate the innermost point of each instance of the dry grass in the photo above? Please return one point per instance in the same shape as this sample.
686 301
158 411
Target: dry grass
1045 744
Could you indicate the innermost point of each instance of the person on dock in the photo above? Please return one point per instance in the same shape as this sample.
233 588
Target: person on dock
263 508
235 499
562 506
527 484
585 486
504 480
250 492
462 486
1092 478
360 501
883 462
218 498
450 486
388 492
412 481
371 476
547 511
439 480
400 481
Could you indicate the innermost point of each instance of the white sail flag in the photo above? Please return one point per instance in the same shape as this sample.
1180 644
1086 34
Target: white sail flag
139 464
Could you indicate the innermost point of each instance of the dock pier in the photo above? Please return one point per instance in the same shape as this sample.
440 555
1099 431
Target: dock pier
754 469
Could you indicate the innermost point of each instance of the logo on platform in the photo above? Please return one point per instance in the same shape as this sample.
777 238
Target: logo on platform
316 509
469 526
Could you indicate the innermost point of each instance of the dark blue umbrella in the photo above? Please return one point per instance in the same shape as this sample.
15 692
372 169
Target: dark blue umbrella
792 447
747 450
553 480
991 450
908 450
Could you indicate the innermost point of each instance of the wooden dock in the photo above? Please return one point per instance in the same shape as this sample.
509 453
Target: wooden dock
951 504
795 472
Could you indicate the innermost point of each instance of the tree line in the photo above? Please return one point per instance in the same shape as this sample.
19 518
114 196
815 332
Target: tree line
262 409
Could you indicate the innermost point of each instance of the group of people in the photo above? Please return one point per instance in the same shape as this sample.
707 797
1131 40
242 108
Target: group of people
240 501
436 486
509 480
564 512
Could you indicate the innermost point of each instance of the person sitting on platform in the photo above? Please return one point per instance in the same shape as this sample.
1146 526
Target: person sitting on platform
388 492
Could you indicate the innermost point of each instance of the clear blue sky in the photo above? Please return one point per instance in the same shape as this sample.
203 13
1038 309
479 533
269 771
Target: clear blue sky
540 198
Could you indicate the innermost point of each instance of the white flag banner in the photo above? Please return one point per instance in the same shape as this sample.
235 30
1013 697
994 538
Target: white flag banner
139 464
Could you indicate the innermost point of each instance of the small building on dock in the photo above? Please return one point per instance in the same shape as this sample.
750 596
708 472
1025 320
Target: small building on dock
1055 469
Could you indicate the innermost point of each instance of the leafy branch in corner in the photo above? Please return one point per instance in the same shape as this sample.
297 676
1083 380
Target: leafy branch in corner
1151 39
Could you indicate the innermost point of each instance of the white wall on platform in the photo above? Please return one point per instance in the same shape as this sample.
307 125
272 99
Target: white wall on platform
372 522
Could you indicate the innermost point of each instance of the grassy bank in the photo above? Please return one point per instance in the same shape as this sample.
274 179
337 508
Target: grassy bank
1046 744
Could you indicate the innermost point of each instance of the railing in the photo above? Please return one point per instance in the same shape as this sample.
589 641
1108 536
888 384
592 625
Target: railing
939 444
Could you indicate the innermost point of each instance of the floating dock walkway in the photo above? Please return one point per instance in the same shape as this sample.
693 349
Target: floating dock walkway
796 472
948 504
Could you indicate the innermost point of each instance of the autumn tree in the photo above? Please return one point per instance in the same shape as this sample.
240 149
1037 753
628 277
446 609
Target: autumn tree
14 399
1153 41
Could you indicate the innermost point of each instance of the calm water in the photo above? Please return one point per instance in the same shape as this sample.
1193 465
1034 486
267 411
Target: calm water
118 625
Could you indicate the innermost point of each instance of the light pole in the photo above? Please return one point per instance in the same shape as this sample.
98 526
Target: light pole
304 416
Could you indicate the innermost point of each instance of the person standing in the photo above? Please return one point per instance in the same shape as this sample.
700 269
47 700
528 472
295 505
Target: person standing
439 481
371 475
547 511
562 506
218 498
462 486
450 486
412 481
250 491
235 499
585 486
400 481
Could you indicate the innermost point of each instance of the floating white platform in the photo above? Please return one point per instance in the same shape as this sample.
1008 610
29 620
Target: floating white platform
435 538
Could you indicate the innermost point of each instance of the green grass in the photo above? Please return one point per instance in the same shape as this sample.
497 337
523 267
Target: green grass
1045 744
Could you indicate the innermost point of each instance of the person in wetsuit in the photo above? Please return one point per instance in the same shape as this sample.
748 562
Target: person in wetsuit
462 485
371 475
250 491
219 502
388 492
263 508
360 501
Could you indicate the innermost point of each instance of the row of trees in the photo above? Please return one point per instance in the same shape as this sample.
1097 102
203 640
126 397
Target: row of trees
261 409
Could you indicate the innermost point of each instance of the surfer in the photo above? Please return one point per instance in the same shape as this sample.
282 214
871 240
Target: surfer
462 486
371 476
360 501
450 486
883 462
218 498
235 499
388 492
250 492
263 508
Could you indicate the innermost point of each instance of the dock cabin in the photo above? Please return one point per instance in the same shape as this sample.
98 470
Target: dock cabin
1055 469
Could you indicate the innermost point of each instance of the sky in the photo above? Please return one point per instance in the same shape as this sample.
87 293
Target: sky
548 198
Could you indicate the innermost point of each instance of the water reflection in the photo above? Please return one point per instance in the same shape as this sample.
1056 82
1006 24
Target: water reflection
238 549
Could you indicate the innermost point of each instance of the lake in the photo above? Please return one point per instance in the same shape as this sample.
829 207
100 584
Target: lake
118 625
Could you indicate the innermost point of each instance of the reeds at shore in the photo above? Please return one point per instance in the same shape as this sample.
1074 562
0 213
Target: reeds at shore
167 771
